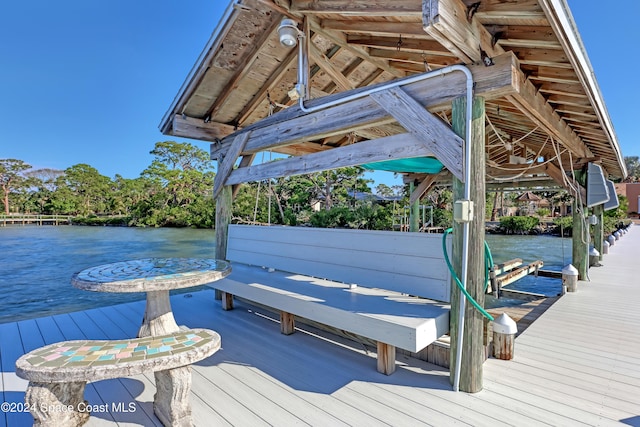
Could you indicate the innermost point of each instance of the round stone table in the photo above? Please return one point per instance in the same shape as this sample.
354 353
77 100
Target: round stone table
156 277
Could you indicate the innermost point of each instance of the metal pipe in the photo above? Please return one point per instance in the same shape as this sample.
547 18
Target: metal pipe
396 83
465 229
302 78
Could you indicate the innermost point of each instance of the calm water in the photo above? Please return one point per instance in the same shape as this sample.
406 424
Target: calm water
36 263
555 252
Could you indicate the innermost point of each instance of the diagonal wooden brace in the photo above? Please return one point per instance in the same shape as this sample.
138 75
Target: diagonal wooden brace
427 128
226 165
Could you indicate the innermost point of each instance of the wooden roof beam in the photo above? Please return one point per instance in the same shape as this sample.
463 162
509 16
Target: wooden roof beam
375 28
340 40
375 150
356 8
293 126
446 20
429 47
189 127
325 64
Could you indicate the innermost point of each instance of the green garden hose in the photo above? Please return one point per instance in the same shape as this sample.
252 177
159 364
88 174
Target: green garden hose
488 258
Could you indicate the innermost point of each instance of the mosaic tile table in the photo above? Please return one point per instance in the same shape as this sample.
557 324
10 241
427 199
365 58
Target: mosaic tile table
58 373
156 277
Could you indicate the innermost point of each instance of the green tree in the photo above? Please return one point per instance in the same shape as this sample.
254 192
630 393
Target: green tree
384 190
128 193
43 183
181 177
82 190
633 168
12 179
333 186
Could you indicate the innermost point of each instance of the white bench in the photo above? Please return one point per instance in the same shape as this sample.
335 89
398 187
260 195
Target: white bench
390 287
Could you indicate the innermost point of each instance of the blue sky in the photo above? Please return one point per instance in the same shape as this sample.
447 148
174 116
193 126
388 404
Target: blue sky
89 81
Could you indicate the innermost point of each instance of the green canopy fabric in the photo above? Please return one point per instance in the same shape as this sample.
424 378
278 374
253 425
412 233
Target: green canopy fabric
429 165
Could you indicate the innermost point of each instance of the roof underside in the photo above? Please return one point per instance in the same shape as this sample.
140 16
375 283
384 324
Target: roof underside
244 74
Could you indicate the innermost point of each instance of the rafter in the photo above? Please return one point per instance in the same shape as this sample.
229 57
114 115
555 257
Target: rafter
292 126
447 20
340 40
325 64
355 8
374 28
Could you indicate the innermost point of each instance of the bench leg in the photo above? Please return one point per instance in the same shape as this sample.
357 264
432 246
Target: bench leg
287 323
49 404
227 300
386 358
171 401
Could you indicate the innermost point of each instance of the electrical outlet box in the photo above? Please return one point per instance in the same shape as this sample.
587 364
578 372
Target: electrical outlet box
463 211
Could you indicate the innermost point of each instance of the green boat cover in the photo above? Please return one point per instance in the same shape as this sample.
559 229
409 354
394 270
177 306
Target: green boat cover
429 165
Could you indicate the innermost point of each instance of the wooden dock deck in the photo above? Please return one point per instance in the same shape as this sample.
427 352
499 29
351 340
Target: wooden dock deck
576 365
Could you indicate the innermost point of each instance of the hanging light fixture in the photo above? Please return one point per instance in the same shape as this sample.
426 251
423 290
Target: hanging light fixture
288 33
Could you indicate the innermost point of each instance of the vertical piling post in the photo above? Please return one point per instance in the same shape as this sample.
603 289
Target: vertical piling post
414 212
598 230
473 353
224 207
580 250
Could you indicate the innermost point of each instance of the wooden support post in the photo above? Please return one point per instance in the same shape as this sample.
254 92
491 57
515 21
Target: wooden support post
224 204
227 300
580 251
473 352
287 323
414 212
386 358
598 230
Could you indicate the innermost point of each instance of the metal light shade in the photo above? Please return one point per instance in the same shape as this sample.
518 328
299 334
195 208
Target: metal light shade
288 33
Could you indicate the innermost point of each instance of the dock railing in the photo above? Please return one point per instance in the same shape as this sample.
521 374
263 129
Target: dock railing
33 219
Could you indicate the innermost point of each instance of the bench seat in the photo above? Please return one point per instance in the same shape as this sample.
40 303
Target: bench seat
57 373
386 286
387 317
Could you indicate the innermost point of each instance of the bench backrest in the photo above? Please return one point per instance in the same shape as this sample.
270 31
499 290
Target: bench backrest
411 263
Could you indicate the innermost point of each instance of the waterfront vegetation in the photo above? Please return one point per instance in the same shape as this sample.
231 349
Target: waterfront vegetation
175 190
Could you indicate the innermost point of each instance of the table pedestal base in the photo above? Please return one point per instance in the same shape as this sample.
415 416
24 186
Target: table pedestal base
158 317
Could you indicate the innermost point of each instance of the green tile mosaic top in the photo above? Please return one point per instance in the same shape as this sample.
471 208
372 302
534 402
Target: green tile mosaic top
151 274
94 353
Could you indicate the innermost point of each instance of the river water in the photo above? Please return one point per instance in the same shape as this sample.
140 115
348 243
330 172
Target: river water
36 263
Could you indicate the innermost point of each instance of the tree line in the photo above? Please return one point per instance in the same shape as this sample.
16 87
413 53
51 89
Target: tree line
175 190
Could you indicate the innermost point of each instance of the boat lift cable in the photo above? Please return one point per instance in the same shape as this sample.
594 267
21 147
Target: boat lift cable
457 279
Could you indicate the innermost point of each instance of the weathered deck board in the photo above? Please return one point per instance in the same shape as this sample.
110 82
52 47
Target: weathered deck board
575 365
